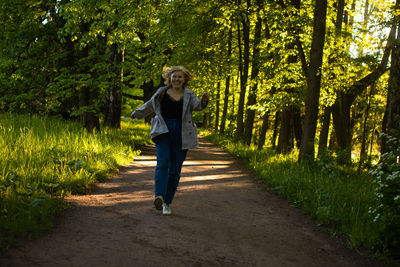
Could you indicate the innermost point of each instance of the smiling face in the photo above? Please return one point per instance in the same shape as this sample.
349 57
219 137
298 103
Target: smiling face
177 79
177 76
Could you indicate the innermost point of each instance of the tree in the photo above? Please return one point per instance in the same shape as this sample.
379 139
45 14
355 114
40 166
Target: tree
252 96
217 104
323 137
227 86
391 124
87 59
345 99
244 62
29 53
291 84
314 81
265 117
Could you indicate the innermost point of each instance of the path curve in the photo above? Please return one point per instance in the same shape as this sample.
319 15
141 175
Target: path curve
221 217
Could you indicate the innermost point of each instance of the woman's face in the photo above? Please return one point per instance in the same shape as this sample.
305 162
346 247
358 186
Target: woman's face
177 79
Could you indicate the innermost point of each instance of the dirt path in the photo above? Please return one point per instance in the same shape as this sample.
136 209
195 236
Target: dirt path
221 217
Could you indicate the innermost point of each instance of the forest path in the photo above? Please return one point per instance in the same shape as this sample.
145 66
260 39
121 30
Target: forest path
221 217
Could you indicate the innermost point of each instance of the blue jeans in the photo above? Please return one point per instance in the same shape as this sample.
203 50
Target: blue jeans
170 157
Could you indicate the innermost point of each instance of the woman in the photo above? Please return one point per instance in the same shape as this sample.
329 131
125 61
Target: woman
172 130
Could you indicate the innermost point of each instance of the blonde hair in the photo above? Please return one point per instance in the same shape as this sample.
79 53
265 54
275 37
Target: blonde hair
167 72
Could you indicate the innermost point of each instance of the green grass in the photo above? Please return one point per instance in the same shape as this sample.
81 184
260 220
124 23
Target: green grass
43 158
334 196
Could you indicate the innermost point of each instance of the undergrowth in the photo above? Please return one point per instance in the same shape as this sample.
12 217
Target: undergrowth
44 158
386 212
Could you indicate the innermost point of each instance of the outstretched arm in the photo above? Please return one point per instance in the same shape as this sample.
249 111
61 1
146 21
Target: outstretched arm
145 110
198 104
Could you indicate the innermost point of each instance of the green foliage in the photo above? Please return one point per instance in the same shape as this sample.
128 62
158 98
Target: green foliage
386 210
52 49
46 158
332 195
28 52
64 57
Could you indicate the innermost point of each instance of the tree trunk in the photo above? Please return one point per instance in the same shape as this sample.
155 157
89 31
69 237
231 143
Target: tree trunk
372 138
250 115
314 81
341 121
234 85
148 91
88 118
285 143
234 94
276 123
263 132
297 125
226 102
206 120
363 148
264 127
252 97
87 95
217 107
393 103
339 16
113 103
227 84
244 72
323 136
84 97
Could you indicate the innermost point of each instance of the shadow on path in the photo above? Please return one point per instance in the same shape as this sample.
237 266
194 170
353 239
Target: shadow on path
221 217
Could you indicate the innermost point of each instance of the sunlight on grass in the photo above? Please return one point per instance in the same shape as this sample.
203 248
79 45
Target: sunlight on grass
334 196
45 158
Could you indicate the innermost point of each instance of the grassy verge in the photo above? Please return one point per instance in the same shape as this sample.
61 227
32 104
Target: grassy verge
334 196
45 158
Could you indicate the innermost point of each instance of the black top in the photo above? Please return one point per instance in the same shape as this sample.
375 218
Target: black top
171 108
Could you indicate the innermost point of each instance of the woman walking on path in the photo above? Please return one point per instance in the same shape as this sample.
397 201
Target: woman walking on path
172 130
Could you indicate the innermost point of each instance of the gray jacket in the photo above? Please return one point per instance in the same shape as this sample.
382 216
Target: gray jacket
158 126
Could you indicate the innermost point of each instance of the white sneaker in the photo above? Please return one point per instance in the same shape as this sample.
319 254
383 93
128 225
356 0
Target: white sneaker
158 202
166 209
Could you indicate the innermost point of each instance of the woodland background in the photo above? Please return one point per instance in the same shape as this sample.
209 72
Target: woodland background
317 78
269 65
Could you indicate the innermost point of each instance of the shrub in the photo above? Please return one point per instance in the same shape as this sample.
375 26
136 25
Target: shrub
386 211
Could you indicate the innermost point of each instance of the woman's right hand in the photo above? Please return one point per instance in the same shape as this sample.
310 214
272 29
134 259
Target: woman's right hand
204 99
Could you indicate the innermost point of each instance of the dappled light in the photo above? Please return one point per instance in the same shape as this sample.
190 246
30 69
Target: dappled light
220 216
302 98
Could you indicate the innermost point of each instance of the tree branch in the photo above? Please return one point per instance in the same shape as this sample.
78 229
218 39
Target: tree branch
132 96
302 55
363 83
